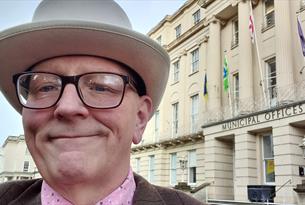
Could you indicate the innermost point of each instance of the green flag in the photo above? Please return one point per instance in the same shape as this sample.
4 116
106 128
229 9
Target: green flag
225 75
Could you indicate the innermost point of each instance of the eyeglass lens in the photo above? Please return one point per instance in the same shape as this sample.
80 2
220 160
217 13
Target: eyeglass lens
43 90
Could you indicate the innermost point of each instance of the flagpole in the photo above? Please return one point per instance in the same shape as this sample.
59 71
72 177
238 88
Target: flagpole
229 91
298 19
259 59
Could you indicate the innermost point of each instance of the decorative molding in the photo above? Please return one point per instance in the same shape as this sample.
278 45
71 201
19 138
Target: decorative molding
205 39
216 19
204 3
182 140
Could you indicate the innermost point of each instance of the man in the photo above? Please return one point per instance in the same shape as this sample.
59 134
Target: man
86 86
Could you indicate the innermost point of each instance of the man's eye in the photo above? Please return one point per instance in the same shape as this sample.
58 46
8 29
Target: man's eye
97 87
102 88
47 88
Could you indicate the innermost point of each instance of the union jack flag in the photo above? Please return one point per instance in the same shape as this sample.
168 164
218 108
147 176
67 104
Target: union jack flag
251 28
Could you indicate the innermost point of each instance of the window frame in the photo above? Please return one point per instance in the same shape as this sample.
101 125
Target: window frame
192 169
269 15
236 92
271 80
175 119
176 71
178 30
264 159
26 166
157 125
151 168
235 33
195 60
173 169
194 114
196 17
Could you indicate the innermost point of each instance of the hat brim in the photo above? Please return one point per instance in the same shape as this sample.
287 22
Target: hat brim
25 45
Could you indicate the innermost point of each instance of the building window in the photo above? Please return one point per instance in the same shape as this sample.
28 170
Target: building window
234 33
194 113
268 14
175 108
195 60
138 165
151 169
178 31
159 40
173 169
176 66
26 165
157 125
236 92
271 81
192 167
196 16
268 159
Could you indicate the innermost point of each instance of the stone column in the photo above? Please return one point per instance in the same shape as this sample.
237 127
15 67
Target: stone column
245 59
288 156
214 69
284 45
245 165
218 167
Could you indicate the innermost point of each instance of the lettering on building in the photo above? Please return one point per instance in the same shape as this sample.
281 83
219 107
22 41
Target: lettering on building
265 117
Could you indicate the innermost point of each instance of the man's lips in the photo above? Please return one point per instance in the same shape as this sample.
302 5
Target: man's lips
71 136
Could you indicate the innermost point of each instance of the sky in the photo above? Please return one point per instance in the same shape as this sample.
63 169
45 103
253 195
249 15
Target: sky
143 14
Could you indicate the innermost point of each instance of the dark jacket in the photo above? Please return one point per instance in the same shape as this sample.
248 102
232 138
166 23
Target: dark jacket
28 193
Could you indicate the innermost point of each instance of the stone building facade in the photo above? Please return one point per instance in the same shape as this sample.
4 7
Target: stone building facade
250 133
16 162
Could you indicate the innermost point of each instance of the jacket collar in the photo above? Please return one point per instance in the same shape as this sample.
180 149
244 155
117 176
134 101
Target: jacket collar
146 194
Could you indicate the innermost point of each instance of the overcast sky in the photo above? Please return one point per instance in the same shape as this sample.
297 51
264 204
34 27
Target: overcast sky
143 14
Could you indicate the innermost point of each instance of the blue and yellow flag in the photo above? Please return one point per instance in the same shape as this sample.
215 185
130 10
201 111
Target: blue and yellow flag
225 75
205 86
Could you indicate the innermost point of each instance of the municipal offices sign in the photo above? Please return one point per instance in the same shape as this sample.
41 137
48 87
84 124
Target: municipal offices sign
275 114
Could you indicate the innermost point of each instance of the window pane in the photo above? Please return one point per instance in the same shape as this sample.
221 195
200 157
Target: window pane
157 125
176 66
173 169
268 158
195 60
151 173
269 171
194 112
175 119
268 146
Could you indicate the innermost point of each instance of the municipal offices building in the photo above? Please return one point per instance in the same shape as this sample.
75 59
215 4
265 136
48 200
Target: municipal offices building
250 134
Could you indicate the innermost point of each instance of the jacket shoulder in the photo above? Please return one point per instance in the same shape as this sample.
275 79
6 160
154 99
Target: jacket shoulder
147 193
170 195
13 190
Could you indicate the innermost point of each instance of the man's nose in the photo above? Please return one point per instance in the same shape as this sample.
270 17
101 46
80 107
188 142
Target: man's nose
70 104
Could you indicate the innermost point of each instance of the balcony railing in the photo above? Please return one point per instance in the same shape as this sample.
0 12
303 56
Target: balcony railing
280 96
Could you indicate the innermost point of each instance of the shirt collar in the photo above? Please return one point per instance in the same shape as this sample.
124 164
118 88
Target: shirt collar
121 195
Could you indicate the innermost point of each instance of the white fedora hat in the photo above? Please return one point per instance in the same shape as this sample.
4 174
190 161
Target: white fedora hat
78 27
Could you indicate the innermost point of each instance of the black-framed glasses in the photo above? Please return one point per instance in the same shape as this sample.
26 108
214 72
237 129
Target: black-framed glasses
102 90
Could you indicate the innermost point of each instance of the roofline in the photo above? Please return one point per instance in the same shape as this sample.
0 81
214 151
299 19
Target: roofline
170 18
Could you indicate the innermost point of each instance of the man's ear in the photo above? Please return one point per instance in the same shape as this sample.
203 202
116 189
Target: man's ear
143 116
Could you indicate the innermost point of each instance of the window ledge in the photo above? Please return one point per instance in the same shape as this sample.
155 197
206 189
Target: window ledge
193 73
176 82
267 28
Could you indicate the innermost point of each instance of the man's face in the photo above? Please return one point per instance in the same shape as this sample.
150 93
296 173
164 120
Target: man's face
72 143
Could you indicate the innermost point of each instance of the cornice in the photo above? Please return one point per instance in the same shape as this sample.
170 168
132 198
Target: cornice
182 140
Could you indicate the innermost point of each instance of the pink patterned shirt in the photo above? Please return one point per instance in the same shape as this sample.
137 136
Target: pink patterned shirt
122 195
